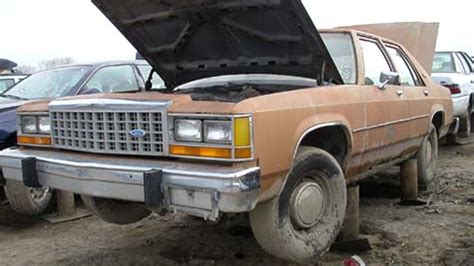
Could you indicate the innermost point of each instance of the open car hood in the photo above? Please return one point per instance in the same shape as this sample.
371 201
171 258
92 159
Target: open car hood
186 40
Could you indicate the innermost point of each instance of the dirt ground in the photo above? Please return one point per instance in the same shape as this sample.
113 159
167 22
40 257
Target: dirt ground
439 234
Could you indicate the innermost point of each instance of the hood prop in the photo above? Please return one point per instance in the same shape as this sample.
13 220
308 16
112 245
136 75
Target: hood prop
148 83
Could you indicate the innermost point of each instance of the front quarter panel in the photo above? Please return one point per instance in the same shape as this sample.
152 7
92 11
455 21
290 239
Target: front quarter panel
281 120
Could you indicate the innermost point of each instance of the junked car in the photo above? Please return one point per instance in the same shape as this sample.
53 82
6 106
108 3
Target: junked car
261 114
455 71
105 77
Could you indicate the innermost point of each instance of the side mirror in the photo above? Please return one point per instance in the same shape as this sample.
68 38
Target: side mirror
388 78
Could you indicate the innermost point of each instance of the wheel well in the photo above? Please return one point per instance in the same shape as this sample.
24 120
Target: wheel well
334 140
438 121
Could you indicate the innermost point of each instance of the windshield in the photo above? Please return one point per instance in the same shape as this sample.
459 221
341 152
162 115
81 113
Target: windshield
444 63
48 84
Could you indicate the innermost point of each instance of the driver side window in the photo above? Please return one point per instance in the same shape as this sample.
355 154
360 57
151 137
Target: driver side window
112 79
375 62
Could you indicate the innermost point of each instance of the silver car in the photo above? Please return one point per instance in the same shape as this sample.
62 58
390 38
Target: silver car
455 71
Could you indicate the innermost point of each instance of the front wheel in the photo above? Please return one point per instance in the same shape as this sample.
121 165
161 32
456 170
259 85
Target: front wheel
305 219
116 211
26 200
427 159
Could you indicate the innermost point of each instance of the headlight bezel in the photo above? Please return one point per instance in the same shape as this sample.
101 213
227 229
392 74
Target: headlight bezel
237 150
34 137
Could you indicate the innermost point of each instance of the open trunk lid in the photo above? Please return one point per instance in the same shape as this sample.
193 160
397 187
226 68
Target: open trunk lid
186 40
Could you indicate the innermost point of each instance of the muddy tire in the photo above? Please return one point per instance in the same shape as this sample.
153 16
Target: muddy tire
305 219
465 126
116 211
427 159
25 200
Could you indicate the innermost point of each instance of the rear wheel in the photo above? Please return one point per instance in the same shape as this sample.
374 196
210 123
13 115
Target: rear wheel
116 211
305 219
427 159
465 126
26 200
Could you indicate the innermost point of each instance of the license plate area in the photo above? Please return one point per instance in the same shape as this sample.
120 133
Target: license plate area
194 201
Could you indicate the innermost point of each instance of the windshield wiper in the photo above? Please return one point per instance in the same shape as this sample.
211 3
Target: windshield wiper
14 97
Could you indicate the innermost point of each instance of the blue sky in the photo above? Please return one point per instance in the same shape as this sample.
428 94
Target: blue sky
32 31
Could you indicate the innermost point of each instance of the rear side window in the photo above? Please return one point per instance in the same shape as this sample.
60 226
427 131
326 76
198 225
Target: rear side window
444 63
403 69
341 48
375 62
5 84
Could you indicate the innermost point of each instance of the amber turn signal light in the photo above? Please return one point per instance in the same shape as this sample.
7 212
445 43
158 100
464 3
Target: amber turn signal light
201 152
26 140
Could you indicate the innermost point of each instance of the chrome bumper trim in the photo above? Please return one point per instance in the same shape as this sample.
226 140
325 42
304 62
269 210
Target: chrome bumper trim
197 189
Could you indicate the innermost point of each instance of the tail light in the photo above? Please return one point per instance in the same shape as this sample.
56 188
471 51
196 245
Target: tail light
454 88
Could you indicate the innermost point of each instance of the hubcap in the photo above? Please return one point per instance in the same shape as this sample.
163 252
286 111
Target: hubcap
307 205
39 194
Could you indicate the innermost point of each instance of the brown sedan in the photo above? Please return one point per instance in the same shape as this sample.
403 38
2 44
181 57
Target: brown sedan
263 114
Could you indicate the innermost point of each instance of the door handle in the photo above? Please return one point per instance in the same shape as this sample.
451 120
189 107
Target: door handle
400 93
427 93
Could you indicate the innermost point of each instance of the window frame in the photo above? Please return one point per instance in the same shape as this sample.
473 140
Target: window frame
457 63
381 46
419 82
93 73
354 48
465 62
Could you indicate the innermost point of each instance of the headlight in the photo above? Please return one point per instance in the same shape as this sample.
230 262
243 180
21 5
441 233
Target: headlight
218 132
223 137
36 125
29 125
44 125
34 130
188 130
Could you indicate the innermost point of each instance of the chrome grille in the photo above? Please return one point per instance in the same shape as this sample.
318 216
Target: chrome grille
109 131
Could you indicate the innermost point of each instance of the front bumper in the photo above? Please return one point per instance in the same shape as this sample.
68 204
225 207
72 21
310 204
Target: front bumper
198 189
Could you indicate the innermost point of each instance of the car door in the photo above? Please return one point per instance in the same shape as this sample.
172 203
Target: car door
418 95
468 69
387 108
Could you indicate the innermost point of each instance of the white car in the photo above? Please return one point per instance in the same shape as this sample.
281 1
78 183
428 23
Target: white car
8 80
455 71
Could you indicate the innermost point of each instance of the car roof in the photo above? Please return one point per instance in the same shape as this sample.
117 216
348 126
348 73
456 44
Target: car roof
12 75
103 64
358 32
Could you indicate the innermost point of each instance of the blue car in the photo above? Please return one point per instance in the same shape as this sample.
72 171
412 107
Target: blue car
119 77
